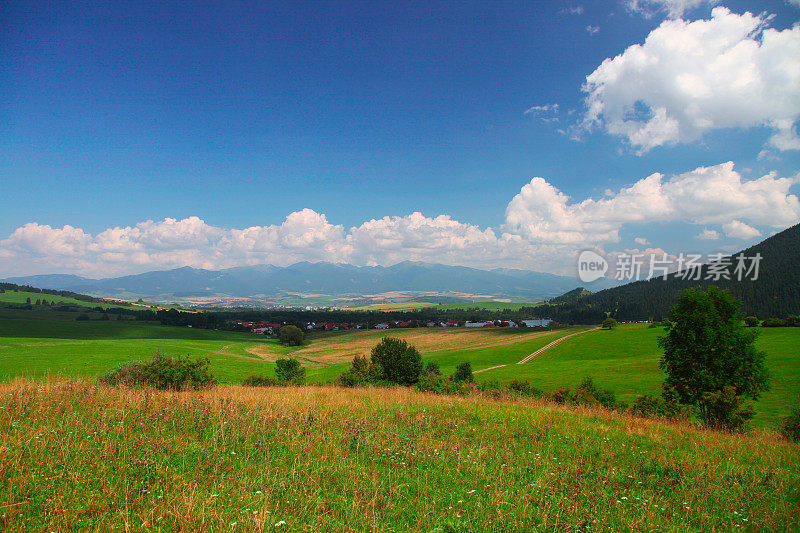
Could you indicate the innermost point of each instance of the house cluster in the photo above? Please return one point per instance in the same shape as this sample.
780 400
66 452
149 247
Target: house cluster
332 326
538 323
255 327
272 329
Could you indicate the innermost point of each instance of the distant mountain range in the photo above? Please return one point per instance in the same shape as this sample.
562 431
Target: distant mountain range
267 281
776 292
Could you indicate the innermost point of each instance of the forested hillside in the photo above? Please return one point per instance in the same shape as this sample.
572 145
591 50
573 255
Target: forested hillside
776 292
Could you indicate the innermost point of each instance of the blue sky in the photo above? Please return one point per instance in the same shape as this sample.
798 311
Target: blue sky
240 114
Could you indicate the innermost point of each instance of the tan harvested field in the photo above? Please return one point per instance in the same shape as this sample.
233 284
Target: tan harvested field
340 347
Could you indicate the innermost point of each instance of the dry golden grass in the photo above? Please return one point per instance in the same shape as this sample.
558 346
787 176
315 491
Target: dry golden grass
341 347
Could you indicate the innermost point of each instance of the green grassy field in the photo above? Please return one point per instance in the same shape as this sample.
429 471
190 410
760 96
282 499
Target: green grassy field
22 296
393 306
38 348
78 456
487 305
625 360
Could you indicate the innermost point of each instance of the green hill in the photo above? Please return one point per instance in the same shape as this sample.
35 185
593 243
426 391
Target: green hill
776 292
78 456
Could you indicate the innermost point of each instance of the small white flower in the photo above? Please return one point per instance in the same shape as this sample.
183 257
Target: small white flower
281 523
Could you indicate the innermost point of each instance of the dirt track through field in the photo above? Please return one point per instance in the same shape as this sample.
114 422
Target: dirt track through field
543 349
538 352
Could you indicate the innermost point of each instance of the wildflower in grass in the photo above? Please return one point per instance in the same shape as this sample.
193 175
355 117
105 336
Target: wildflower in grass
281 523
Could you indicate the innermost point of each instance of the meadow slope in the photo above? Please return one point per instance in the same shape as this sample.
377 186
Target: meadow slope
84 457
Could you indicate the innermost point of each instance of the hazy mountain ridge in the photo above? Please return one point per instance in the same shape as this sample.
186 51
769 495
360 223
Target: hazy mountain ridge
322 278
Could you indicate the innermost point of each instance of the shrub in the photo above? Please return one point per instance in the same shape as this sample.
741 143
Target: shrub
291 336
289 371
560 396
790 428
463 373
609 323
163 372
604 397
723 409
432 369
656 407
523 388
751 321
361 372
793 321
442 385
399 362
259 381
773 323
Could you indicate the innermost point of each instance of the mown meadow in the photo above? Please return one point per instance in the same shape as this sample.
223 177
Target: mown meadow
81 456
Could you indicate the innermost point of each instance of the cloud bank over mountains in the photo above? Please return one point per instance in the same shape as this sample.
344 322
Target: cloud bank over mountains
688 78
543 230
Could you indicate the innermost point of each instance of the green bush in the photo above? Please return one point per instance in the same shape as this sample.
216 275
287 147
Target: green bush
289 371
463 373
790 428
361 373
604 397
523 388
793 321
260 381
560 396
163 372
723 409
751 321
609 323
432 369
291 336
442 385
656 407
399 362
773 323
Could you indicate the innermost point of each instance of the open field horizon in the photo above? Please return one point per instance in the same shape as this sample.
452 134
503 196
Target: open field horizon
624 360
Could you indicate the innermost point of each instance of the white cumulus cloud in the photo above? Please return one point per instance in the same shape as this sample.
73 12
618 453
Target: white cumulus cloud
673 8
689 78
708 235
706 195
739 230
544 230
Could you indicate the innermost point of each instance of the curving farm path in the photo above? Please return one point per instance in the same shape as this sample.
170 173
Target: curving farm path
540 351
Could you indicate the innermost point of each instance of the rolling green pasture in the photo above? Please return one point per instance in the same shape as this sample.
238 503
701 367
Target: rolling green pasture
495 355
22 296
625 360
489 306
39 348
